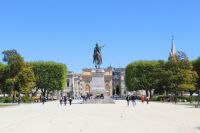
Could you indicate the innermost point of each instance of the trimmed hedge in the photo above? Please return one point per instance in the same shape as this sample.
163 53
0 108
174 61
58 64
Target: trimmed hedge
5 100
179 98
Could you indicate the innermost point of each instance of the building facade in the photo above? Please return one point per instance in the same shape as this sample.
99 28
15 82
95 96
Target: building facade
87 81
70 83
81 84
119 87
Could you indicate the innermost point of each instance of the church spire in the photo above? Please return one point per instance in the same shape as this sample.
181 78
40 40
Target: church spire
173 49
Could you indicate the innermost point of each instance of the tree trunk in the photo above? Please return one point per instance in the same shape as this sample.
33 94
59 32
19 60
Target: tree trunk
48 95
13 98
43 92
33 93
150 94
191 93
147 93
181 93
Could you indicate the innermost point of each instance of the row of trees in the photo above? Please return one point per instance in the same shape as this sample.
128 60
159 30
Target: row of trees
20 77
174 76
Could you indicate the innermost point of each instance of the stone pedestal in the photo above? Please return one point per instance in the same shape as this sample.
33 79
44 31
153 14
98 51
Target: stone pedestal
98 82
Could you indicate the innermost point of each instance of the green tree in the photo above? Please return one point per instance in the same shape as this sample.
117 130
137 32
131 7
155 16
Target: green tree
18 76
2 79
162 75
175 75
8 80
50 76
142 75
8 54
183 77
188 77
196 65
26 78
2 70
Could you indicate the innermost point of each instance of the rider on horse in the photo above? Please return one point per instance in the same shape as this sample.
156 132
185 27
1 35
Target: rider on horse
97 58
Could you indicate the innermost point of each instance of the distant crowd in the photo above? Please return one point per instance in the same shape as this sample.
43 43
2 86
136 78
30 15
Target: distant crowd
133 98
64 99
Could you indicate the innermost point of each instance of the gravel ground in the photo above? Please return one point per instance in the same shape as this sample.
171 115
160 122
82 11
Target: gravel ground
100 118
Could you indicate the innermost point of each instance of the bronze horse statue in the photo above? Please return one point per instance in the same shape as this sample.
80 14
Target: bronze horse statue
97 57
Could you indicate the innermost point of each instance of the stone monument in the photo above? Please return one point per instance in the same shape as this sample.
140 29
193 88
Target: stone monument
98 80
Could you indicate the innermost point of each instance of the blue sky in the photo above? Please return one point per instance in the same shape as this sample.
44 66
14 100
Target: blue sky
66 30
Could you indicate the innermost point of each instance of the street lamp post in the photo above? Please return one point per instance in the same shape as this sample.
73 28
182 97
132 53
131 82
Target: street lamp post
164 87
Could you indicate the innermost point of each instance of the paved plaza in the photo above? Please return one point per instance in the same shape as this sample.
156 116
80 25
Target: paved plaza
100 118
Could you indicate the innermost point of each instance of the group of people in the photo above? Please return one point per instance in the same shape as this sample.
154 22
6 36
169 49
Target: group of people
64 99
133 99
43 99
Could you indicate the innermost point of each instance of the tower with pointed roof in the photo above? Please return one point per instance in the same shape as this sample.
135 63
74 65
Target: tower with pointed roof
173 49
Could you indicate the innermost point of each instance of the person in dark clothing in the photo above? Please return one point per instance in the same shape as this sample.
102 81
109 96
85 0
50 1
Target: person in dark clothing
70 101
133 98
43 99
147 98
61 99
65 100
128 99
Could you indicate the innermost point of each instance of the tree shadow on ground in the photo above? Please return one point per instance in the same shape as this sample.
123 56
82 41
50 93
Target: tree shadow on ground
198 128
191 106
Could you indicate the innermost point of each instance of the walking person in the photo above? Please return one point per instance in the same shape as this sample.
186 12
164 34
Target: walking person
147 98
65 100
142 99
128 99
133 98
61 100
43 100
70 101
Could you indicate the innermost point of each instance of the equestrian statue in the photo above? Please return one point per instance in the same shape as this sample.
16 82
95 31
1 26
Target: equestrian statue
97 57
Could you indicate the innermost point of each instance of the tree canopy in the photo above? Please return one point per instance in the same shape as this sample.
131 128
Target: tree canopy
18 76
183 77
175 75
141 75
49 76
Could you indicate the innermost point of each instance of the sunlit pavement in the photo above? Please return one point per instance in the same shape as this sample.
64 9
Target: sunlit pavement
100 118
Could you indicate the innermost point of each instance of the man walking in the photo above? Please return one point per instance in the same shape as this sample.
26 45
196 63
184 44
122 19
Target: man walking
128 99
147 98
65 100
61 99
43 99
70 101
133 98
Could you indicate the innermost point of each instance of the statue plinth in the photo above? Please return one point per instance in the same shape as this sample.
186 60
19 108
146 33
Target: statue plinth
98 82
